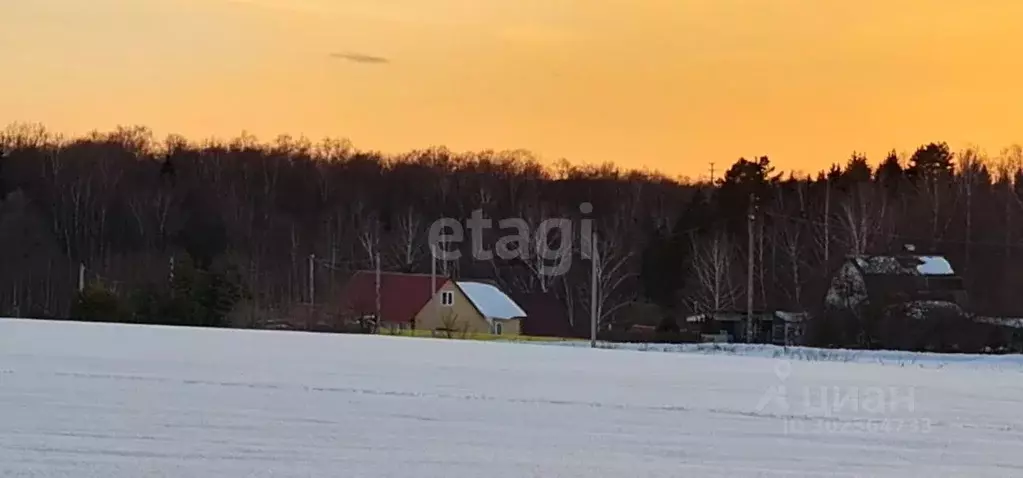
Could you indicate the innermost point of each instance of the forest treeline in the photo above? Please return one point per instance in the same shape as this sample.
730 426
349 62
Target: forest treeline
225 232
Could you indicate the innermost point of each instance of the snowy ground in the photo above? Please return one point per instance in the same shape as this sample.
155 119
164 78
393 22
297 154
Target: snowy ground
1010 362
84 400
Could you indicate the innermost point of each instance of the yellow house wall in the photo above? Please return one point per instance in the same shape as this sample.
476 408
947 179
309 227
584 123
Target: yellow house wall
510 326
431 316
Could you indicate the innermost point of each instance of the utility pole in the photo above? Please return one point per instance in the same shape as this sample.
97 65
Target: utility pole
594 273
934 229
378 291
749 271
969 214
312 279
433 281
81 277
827 222
170 275
712 174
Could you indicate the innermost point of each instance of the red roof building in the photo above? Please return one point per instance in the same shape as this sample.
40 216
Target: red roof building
402 295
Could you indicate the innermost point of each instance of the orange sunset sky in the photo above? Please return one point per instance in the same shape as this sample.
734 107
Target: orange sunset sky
664 84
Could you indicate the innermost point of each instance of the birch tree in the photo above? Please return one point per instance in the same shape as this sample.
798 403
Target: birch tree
611 258
715 289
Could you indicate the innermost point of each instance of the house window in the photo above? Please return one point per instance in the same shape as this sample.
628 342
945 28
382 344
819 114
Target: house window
498 328
447 298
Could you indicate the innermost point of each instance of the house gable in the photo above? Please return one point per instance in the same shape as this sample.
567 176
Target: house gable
460 315
848 287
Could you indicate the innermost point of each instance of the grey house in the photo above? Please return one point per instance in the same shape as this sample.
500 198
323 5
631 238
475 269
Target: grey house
917 284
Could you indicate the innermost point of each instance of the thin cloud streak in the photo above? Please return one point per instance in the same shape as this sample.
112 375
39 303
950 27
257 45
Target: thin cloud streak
360 58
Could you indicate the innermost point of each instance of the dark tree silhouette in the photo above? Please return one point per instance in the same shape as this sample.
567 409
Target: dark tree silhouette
241 220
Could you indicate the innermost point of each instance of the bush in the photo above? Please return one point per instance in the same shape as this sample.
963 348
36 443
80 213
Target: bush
197 297
905 326
97 303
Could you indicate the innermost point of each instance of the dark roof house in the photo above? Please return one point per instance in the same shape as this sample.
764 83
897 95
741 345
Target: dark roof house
402 295
546 316
923 282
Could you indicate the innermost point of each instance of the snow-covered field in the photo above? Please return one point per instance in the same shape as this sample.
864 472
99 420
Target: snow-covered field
112 401
882 357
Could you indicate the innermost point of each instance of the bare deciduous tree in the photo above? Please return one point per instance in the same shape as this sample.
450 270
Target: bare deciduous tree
715 289
861 219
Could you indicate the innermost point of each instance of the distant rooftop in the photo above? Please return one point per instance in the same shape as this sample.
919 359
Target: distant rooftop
916 265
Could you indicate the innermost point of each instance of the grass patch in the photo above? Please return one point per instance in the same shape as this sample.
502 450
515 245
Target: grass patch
473 336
